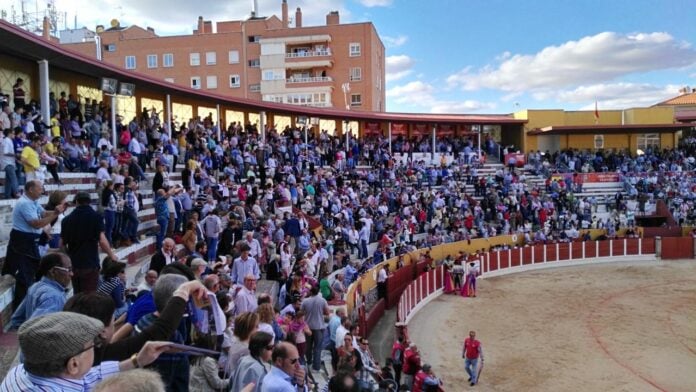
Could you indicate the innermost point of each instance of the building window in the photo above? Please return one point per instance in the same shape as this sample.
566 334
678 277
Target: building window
210 58
234 57
354 49
267 75
130 62
211 81
195 59
255 63
235 81
255 88
355 100
170 80
110 47
152 61
254 38
168 60
648 140
196 82
355 74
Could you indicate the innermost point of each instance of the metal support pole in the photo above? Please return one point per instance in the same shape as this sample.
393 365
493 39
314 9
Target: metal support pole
114 140
44 95
479 142
433 152
169 115
217 109
262 125
347 139
390 138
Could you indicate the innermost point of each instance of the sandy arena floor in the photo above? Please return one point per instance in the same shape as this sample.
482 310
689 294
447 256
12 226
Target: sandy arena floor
606 327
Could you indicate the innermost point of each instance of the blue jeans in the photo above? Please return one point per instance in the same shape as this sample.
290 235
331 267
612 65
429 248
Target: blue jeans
212 247
11 183
314 347
363 249
130 217
471 366
109 223
163 223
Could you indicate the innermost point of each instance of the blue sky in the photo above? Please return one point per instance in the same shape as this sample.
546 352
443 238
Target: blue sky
480 56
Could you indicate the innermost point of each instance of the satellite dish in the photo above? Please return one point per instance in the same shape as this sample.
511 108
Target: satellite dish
114 23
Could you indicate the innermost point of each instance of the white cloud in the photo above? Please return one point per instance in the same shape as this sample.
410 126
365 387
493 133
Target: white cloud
397 67
615 95
592 59
376 3
394 42
411 93
419 95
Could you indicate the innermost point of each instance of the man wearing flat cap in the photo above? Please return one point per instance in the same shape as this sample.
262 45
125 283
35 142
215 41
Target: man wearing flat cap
58 351
82 235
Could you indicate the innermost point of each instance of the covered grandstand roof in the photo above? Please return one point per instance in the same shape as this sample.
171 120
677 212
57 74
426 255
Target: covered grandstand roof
610 129
23 44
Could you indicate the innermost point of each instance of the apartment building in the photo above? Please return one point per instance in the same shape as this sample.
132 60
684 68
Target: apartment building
263 58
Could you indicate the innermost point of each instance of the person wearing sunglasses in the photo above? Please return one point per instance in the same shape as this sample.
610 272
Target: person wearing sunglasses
48 295
286 374
253 367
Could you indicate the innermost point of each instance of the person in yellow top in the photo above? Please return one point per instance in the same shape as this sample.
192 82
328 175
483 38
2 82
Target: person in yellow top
55 125
30 159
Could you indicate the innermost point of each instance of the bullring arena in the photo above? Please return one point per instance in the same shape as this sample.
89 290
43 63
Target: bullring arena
623 326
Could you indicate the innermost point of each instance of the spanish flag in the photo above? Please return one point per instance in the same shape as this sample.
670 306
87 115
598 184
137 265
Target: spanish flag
596 113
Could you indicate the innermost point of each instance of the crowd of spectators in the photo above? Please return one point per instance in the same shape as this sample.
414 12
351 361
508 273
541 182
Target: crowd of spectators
247 208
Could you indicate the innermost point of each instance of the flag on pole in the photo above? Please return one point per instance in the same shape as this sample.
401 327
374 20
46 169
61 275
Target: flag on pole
596 113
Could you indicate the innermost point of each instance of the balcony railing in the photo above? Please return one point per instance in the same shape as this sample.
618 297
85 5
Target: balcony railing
315 79
311 53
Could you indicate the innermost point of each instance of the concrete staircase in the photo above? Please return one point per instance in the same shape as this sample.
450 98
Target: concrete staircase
137 255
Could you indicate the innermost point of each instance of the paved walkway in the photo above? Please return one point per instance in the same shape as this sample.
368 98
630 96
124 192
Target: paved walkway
383 335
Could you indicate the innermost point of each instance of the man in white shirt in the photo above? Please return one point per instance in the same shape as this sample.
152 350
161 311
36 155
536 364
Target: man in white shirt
8 162
254 245
246 297
212 227
5 122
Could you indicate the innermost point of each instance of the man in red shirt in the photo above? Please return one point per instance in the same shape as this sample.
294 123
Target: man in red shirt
471 353
412 364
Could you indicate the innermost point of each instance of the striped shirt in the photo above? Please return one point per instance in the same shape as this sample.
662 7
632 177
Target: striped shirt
18 379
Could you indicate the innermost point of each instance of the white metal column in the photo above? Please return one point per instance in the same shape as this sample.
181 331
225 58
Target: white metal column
169 115
390 138
44 94
433 151
217 108
262 125
114 140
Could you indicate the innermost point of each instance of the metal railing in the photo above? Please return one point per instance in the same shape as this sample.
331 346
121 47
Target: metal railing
311 53
313 79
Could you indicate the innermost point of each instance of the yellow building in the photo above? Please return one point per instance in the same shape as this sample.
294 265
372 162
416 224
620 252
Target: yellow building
633 129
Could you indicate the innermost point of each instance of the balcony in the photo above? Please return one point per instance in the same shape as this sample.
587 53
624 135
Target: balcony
307 54
311 79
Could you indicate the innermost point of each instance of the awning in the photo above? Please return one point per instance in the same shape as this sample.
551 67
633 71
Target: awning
610 129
